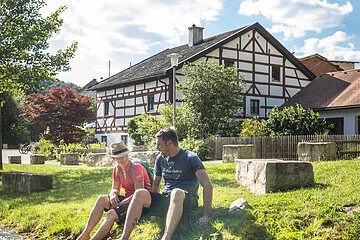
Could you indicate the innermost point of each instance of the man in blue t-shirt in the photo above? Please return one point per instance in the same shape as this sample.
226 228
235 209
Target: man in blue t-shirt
182 171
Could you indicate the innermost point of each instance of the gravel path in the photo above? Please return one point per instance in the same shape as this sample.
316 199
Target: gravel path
6 234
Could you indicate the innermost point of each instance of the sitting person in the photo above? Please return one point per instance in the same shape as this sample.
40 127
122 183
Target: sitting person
182 171
115 204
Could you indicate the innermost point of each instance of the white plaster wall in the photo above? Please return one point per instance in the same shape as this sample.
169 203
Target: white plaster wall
100 111
272 102
245 56
262 68
349 115
139 110
110 92
233 43
263 89
245 66
120 112
119 90
292 91
129 89
261 78
261 58
276 90
276 60
129 102
229 54
214 53
150 84
273 50
129 111
292 81
101 94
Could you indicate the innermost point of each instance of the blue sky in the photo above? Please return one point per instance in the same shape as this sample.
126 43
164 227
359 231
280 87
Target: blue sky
127 31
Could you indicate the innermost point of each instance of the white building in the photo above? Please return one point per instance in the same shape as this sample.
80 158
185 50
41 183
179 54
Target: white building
271 72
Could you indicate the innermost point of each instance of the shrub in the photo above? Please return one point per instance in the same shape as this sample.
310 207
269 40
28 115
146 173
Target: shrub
197 146
252 127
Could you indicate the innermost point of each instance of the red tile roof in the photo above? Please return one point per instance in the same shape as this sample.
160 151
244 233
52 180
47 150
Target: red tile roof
333 90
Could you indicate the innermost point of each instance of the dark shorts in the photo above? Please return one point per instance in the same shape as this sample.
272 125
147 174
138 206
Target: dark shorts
120 211
160 204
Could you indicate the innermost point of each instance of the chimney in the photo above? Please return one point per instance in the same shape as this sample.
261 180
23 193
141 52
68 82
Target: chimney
195 35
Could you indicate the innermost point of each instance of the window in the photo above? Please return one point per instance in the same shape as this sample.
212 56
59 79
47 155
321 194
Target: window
254 107
228 63
124 138
104 140
275 73
150 103
106 108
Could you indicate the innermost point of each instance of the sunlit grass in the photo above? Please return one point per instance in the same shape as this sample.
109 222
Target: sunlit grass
308 213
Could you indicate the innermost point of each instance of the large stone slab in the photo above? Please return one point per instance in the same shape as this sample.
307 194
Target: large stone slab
239 151
318 151
98 160
14 159
267 175
37 159
26 182
69 158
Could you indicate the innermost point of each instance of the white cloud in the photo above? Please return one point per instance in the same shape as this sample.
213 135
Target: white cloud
294 17
334 47
108 28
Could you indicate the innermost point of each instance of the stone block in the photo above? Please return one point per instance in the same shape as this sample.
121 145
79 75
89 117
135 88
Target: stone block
37 159
98 160
14 159
318 151
240 151
149 156
26 182
267 175
69 158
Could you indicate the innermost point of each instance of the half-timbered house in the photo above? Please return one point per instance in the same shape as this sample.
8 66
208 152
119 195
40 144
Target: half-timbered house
271 72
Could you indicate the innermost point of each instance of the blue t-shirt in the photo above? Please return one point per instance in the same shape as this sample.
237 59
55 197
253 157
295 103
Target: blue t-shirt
179 171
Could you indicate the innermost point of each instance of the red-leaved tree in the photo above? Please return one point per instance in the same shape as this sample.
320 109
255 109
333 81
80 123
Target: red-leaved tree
61 111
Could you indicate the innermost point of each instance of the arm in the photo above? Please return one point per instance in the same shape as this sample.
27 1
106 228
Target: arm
114 193
156 184
205 182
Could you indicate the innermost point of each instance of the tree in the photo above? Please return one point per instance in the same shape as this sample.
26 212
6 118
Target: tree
61 111
24 59
214 95
14 126
294 121
143 128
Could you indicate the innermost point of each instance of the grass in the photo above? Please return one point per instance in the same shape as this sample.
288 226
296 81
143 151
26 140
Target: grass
308 213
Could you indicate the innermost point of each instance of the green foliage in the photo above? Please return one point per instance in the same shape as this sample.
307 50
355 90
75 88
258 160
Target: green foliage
143 129
213 94
61 110
183 120
197 146
294 121
307 213
252 127
24 57
14 126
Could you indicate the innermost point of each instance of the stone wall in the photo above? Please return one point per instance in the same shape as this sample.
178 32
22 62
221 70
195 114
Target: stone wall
308 151
149 156
267 175
26 182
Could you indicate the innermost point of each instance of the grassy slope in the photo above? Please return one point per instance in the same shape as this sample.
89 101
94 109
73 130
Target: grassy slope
314 213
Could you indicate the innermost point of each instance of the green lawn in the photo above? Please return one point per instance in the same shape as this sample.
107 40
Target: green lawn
313 213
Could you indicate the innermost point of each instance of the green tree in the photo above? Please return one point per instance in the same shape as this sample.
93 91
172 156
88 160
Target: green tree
24 56
294 121
61 111
14 126
143 128
214 94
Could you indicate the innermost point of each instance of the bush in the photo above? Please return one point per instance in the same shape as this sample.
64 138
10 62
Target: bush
197 146
252 127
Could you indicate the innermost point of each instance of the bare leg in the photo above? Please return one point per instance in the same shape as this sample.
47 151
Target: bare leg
141 198
95 216
174 213
106 225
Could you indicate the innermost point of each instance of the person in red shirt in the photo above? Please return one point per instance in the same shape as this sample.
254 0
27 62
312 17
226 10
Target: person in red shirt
115 204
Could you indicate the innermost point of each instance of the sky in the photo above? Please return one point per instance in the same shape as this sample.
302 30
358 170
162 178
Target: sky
115 34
